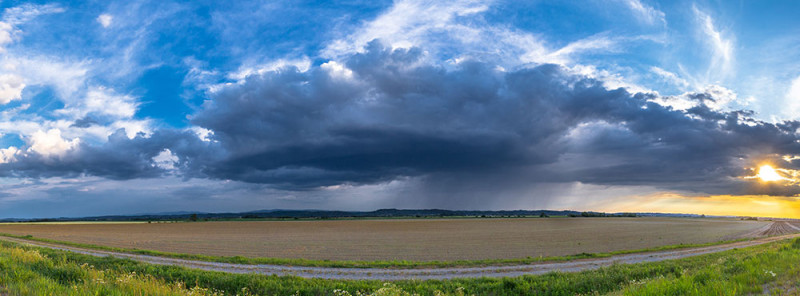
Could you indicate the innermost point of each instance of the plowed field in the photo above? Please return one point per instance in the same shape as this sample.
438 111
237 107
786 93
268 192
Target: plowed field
419 240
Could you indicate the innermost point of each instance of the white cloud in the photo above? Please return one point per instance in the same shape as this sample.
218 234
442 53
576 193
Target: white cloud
794 90
9 154
646 13
670 77
51 143
132 127
17 15
793 99
302 65
5 35
21 127
104 101
203 133
66 77
408 23
455 31
165 160
105 20
720 97
721 46
199 76
26 12
599 42
11 87
337 70
100 101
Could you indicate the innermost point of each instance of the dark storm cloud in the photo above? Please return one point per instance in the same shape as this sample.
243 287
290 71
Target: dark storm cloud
387 114
398 116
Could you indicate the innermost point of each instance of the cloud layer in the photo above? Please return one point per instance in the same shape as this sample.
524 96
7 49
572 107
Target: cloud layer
407 103
386 114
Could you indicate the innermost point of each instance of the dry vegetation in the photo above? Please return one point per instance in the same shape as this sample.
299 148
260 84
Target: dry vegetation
420 240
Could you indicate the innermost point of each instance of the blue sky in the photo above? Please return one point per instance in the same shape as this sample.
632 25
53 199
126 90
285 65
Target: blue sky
121 107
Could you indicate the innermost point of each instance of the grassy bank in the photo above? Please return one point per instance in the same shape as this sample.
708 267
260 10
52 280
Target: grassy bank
771 268
363 264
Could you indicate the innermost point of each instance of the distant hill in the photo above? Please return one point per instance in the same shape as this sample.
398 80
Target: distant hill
322 214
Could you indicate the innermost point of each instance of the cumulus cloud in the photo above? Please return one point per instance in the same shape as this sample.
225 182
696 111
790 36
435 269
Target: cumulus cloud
51 143
105 20
8 154
165 160
11 87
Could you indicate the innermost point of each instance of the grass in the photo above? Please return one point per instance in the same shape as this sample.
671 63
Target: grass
772 268
364 264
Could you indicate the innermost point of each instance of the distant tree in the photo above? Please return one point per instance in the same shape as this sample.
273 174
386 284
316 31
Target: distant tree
193 217
543 215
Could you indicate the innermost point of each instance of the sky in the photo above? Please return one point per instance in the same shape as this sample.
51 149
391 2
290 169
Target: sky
127 107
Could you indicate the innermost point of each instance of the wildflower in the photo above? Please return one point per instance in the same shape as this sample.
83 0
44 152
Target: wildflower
339 292
769 272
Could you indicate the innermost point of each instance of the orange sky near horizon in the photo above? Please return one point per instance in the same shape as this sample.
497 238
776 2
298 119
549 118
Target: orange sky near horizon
718 205
765 174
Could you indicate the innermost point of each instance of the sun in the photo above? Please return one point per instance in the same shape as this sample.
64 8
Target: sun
767 174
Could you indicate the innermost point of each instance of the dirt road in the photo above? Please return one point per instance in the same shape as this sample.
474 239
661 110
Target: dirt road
434 273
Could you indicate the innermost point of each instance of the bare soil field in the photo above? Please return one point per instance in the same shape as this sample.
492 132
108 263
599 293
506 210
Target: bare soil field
418 240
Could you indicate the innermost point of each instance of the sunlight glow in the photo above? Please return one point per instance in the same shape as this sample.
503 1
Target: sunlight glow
767 174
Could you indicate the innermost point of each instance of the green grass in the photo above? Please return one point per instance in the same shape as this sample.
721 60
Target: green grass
364 264
36 271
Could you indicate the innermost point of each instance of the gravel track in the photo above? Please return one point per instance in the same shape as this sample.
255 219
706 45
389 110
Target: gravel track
434 273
